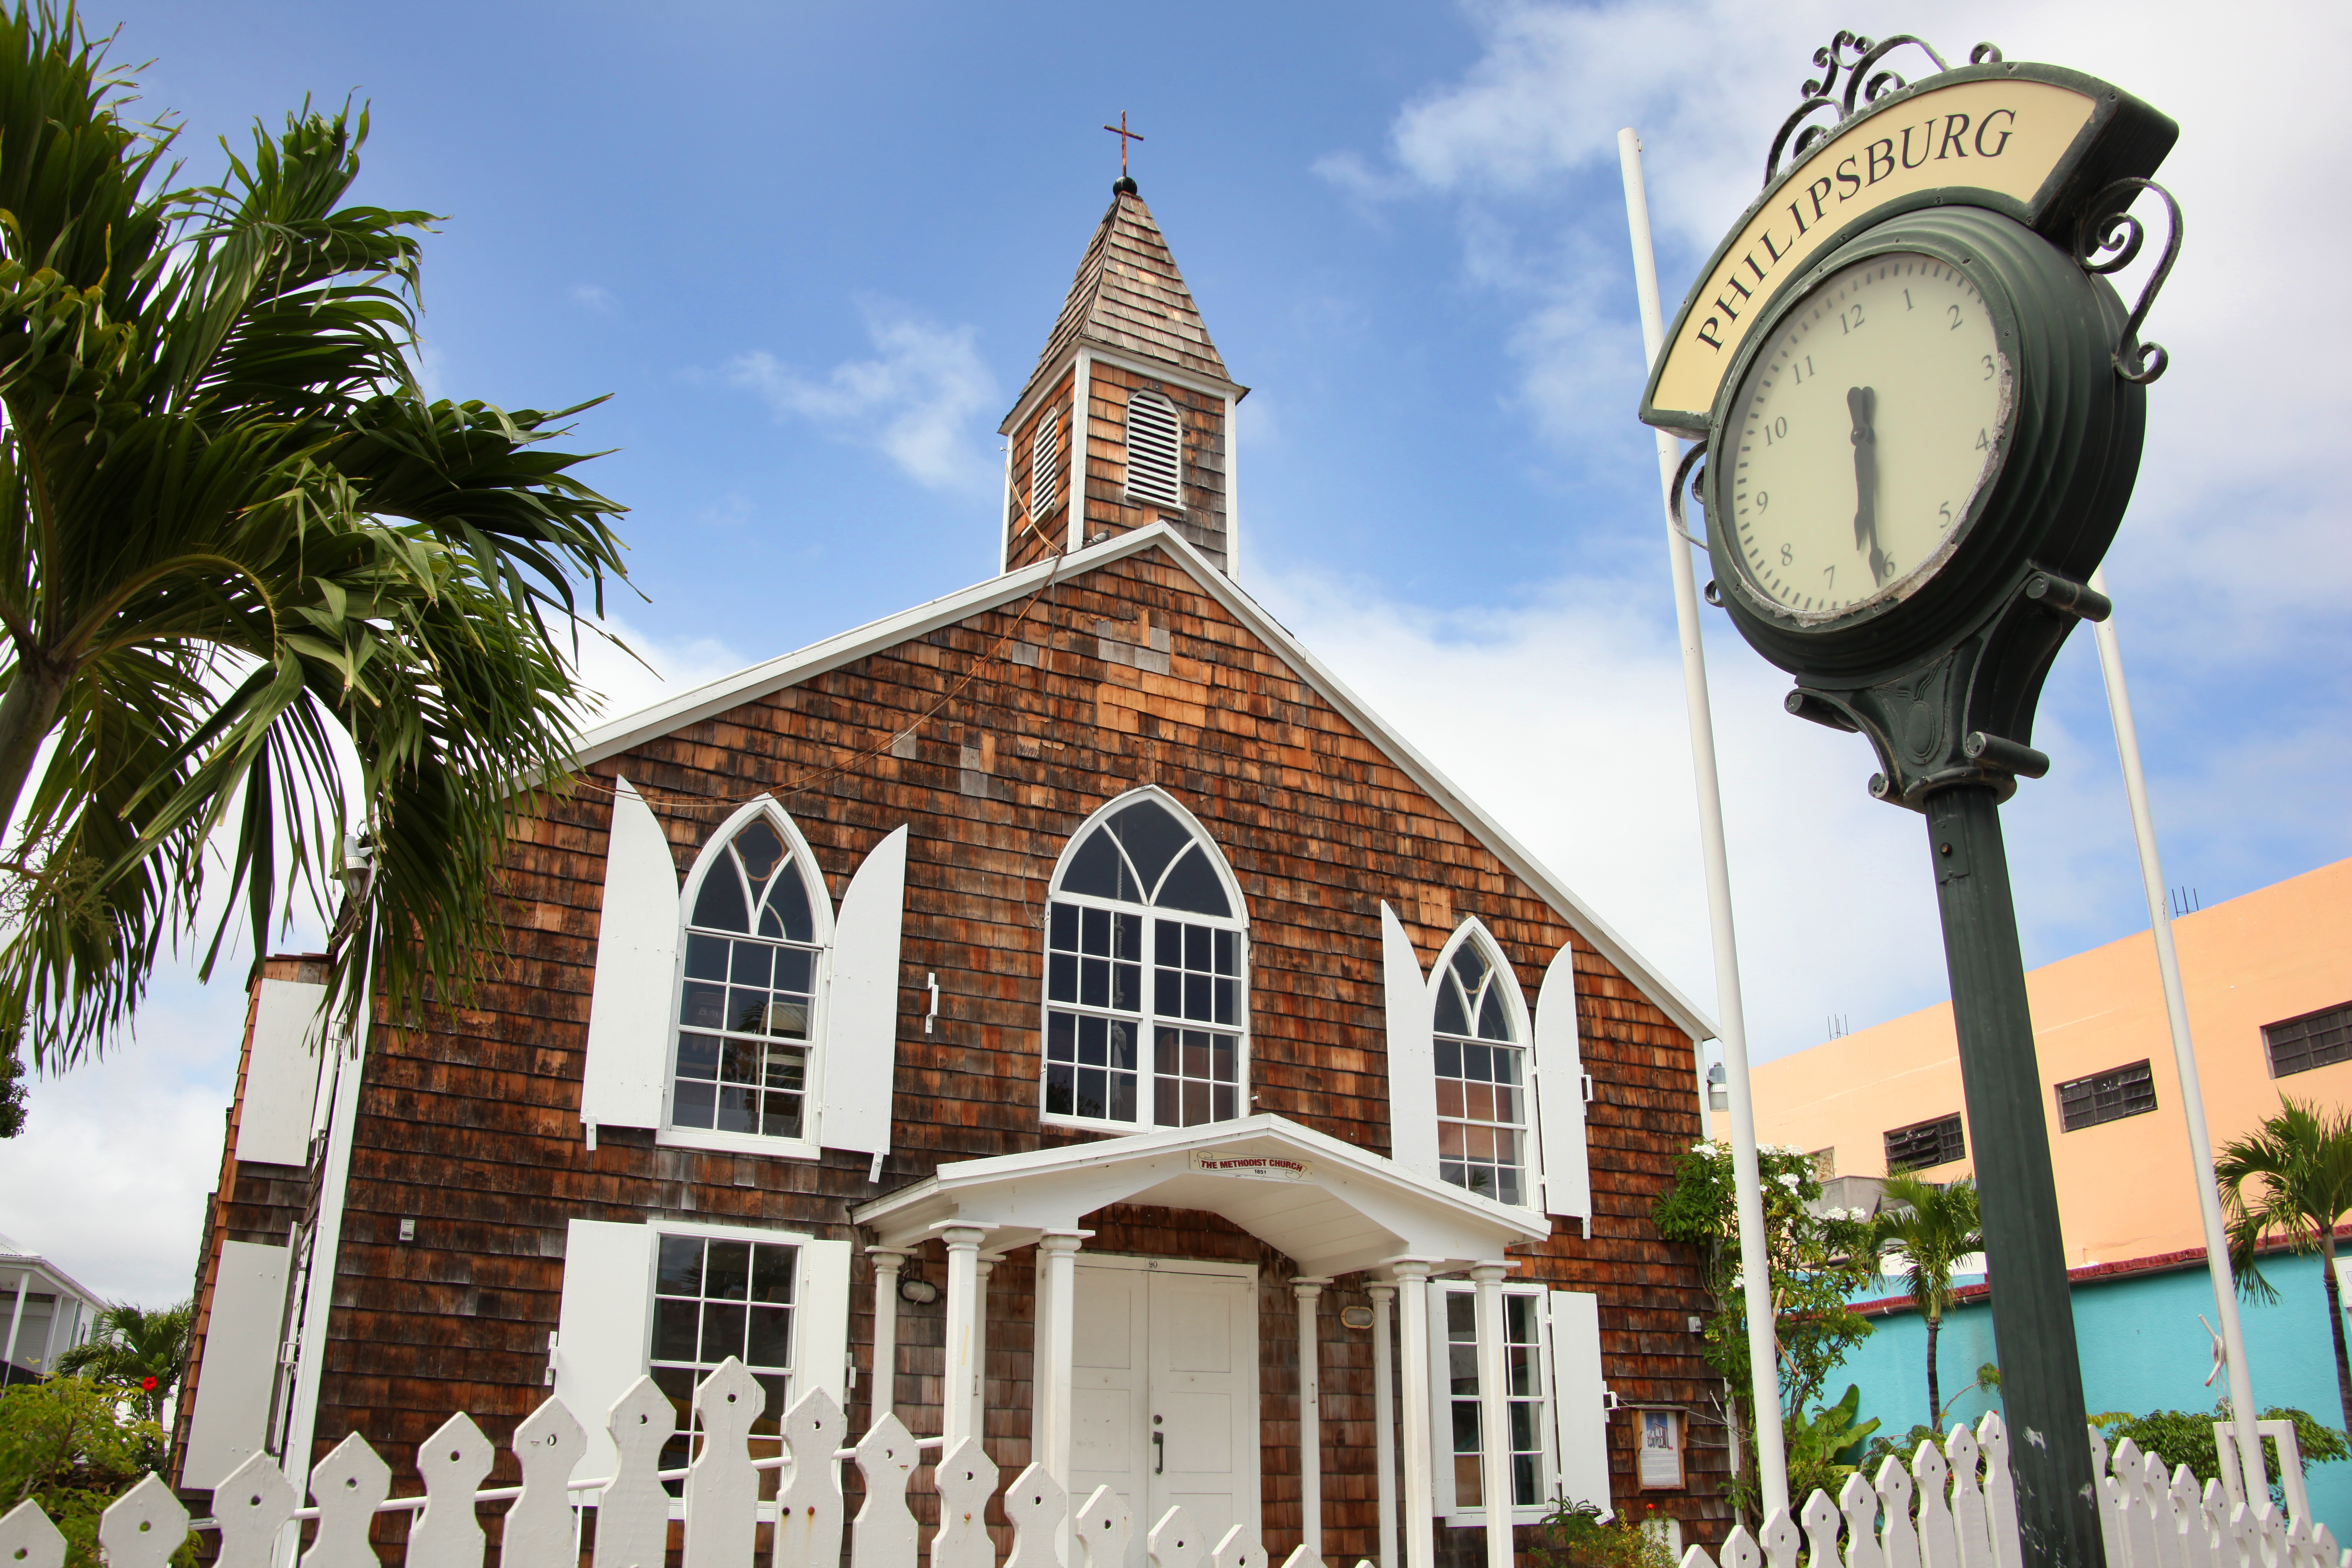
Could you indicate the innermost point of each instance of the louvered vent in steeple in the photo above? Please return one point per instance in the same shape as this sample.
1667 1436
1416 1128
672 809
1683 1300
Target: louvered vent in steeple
1155 451
1045 463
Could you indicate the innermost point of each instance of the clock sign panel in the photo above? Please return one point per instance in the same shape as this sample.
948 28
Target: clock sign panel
1863 432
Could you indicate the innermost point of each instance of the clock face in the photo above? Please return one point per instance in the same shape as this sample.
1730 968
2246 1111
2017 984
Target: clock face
1867 424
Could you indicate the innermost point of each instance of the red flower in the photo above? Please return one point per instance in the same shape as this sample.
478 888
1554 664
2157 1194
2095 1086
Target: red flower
147 1385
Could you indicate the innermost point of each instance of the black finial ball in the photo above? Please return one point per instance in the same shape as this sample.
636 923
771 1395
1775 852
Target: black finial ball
1122 186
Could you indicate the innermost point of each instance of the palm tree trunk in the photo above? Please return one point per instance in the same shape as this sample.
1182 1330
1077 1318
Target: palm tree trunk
1934 1391
2335 1321
27 711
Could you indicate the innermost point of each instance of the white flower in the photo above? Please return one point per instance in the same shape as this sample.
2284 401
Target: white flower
1789 1182
1701 1148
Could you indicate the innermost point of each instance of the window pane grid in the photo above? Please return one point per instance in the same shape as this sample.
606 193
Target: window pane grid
1523 1370
743 1024
1925 1143
714 1298
2106 1097
1482 1113
2313 1040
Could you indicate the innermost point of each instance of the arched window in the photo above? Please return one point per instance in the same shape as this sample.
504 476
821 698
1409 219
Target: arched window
757 923
1155 451
1482 1072
1147 966
1045 463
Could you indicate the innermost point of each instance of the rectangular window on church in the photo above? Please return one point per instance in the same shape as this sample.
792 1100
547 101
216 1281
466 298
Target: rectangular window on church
1523 1371
714 1299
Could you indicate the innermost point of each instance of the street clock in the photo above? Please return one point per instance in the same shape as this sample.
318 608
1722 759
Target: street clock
1920 405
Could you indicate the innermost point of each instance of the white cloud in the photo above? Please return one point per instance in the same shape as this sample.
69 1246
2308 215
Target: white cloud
916 402
662 666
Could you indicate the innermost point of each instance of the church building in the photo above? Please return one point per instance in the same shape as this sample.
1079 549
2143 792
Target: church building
1060 1013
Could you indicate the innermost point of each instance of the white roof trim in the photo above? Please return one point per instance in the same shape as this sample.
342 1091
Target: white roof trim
759 679
1348 1209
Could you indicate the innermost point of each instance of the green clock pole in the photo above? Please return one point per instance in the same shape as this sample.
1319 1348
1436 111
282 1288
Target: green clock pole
2025 1253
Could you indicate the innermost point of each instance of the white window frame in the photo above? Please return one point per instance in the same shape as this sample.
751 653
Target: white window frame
809 1144
1146 1048
1046 462
1150 494
1440 1396
1522 1020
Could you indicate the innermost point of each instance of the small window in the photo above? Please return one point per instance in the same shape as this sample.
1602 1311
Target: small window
1155 451
1046 464
747 995
714 1299
2108 1095
1146 966
1482 1099
2313 1040
1523 1360
1925 1143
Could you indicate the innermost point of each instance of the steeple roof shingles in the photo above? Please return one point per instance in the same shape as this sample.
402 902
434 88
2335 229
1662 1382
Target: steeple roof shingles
1128 297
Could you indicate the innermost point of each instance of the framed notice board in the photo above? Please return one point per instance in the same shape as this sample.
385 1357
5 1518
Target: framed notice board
1658 1461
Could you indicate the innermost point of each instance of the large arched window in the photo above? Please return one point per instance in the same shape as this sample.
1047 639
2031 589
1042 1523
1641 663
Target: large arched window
1147 966
1480 1027
757 923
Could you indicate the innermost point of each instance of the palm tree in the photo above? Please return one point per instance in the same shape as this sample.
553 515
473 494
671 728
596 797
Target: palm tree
248 570
1930 1229
146 1350
2299 1166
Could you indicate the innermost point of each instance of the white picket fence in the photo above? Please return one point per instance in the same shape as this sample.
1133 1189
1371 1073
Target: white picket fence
721 1506
1966 1513
1967 1517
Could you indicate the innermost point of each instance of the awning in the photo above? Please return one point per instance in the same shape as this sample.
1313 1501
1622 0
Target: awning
1331 1207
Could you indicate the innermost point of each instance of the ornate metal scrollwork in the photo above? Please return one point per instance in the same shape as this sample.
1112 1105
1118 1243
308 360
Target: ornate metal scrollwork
1863 89
1674 489
2108 225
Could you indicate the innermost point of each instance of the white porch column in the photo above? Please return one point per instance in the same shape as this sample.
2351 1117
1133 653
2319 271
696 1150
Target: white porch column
17 1315
981 1269
957 1392
1494 1414
1049 1415
1419 1485
1384 1418
1310 1415
884 1399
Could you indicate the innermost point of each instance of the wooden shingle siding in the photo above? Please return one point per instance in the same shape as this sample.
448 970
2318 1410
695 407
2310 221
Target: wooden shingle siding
469 1124
1032 536
1109 510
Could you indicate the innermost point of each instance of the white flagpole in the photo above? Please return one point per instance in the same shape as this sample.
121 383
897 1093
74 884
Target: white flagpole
2184 1057
1771 1459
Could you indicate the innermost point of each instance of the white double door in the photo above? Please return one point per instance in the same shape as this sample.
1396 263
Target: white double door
1163 1404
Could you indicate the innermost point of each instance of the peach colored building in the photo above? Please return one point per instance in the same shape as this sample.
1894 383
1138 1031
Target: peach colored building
2269 982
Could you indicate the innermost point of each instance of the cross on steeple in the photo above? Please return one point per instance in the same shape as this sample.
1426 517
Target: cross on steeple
1125 136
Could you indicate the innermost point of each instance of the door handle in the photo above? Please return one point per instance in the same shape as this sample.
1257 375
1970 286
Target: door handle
1159 1453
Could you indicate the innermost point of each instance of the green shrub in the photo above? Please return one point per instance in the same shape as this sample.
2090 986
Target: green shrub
2186 1437
73 1445
1574 1535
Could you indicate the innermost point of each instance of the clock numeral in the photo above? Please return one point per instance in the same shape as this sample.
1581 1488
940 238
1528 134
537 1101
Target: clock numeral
1987 365
1828 578
1802 367
1776 430
1906 299
1788 555
1849 318
1944 510
1763 500
1955 316
1984 442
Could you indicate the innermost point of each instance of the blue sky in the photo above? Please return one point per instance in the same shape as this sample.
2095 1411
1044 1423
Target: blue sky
812 253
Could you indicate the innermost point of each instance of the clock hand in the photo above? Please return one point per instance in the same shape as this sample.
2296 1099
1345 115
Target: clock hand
1861 402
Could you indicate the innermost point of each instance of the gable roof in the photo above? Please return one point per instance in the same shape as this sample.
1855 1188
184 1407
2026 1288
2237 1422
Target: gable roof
759 681
1128 297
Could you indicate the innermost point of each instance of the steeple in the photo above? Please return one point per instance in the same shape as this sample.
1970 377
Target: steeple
1131 351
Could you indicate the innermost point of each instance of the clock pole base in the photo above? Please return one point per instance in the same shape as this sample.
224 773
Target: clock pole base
2025 1254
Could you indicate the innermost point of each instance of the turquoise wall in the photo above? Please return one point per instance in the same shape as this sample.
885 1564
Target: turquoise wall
2143 1349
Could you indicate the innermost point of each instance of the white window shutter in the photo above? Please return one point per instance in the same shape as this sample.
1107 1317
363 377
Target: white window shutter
636 972
1577 1403
820 1358
603 1330
1412 1057
240 1361
1444 1503
281 1074
861 1027
1559 1093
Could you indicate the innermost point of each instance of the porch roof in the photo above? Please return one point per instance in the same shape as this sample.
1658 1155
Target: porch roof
1331 1207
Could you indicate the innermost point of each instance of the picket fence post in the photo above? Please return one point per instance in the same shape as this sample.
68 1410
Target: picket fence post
28 1539
537 1532
1100 1528
252 1506
143 1527
1038 1507
808 1506
883 1535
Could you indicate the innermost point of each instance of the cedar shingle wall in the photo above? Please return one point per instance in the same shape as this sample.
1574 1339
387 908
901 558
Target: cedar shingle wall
1203 523
471 1124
